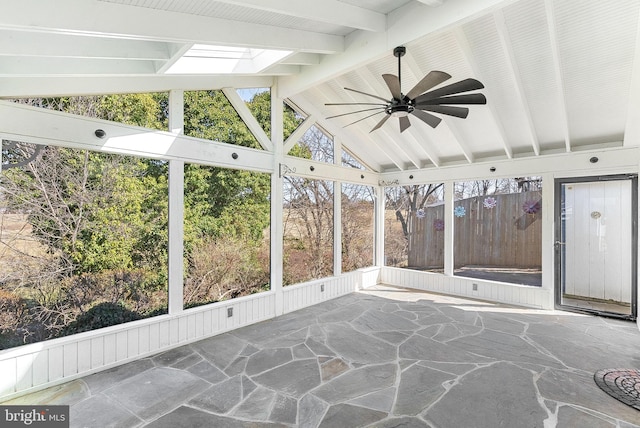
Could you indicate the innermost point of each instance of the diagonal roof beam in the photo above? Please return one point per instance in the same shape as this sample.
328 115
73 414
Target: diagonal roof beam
104 19
329 11
468 55
505 41
555 53
248 118
298 133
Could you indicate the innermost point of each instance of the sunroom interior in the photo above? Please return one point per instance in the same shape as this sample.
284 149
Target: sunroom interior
529 199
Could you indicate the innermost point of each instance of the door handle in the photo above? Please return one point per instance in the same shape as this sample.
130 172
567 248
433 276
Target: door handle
558 243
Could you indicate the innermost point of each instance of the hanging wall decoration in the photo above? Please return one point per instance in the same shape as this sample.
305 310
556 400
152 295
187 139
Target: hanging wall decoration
531 207
459 211
420 213
438 224
490 202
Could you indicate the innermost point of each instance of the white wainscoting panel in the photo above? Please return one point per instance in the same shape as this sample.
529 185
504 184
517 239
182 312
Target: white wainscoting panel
311 293
36 366
514 294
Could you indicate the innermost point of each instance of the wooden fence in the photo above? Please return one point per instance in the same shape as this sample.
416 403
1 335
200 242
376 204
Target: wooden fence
502 236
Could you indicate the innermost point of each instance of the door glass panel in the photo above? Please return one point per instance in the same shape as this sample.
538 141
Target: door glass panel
595 246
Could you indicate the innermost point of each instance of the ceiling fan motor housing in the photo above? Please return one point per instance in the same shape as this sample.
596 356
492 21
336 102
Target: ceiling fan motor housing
399 51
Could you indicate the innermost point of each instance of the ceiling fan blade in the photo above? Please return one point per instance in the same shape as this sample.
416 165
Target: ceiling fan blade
393 83
354 112
429 81
379 124
454 88
369 95
404 123
366 117
461 112
427 118
354 104
454 99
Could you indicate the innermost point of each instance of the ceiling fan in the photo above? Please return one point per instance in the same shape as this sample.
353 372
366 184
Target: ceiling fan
418 101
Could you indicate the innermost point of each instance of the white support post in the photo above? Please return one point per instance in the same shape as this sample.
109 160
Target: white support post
379 222
449 199
176 208
277 226
337 211
548 238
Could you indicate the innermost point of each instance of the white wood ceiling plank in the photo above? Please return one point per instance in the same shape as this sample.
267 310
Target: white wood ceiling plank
331 11
407 23
632 129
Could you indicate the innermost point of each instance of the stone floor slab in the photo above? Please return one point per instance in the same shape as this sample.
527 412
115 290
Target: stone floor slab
294 378
153 392
499 395
102 411
348 415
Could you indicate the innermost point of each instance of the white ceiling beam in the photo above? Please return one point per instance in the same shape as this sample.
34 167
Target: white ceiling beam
301 59
405 24
42 126
416 141
248 118
616 159
458 139
104 19
632 128
329 11
563 119
432 3
34 87
166 65
32 44
31 66
468 55
519 95
327 171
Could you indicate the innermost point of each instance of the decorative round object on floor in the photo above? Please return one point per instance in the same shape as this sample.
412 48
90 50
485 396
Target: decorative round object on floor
621 384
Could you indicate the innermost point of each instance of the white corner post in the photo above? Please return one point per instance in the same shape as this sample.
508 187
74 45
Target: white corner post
277 225
337 211
176 209
379 226
449 199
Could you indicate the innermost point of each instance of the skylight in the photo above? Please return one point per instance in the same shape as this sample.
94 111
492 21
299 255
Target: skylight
209 59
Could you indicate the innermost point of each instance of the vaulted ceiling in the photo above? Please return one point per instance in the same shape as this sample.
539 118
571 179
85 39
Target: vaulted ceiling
558 75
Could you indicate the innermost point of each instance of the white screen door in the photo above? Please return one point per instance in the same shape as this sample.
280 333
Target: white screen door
595 245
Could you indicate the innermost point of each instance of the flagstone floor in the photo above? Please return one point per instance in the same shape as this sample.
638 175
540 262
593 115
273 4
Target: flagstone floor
384 357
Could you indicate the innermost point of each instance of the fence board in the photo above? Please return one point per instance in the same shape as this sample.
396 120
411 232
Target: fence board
503 236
